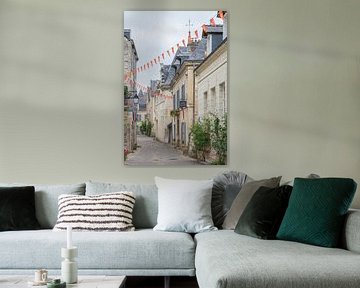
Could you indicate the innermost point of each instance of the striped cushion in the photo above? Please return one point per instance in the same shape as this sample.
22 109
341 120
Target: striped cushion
105 212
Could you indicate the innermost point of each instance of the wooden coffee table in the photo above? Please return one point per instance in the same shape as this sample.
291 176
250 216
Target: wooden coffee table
84 281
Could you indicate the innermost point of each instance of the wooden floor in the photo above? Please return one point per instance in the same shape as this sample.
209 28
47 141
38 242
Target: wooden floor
158 282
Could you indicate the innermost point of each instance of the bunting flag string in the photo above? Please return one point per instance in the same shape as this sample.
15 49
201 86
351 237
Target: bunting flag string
145 89
157 59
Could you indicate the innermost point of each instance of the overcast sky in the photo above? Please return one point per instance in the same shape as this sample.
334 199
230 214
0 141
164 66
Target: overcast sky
155 32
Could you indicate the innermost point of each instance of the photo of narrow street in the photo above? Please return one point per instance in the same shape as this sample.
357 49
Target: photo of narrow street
154 153
175 88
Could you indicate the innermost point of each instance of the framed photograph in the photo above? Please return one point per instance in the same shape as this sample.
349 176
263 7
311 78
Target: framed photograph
175 88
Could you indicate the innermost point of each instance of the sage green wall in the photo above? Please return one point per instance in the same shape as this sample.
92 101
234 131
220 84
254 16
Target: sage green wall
294 89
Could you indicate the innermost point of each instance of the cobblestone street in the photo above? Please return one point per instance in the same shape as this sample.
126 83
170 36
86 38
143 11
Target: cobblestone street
155 153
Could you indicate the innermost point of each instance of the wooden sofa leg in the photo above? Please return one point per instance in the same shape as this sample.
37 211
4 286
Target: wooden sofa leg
167 282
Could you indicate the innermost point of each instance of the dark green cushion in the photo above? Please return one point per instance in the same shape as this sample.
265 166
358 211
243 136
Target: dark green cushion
316 211
17 208
263 214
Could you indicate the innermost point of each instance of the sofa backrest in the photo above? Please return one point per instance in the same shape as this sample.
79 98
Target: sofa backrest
46 200
146 203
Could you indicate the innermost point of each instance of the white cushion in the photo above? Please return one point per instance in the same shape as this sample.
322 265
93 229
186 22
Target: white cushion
184 205
105 212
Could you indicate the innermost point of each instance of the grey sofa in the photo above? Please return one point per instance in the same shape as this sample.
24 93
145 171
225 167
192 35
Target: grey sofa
218 259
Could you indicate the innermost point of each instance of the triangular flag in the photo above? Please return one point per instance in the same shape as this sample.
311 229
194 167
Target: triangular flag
168 52
159 59
221 14
196 34
212 22
155 60
172 49
163 55
204 27
151 63
178 45
183 41
148 65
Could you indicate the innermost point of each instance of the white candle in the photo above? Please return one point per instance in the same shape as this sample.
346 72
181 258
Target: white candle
69 239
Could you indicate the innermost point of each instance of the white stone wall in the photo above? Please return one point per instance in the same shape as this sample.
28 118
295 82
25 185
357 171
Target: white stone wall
186 115
211 85
163 106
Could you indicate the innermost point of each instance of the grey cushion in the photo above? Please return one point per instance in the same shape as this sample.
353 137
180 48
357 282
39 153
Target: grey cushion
184 205
225 259
243 198
144 249
46 200
146 204
351 231
226 187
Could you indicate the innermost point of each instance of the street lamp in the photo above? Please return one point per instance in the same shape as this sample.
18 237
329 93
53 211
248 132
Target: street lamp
135 109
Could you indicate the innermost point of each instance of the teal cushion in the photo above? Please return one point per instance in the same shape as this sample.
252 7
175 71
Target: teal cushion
316 211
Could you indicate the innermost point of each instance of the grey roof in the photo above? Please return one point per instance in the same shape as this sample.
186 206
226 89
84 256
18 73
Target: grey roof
164 72
199 52
170 76
127 33
154 85
208 56
193 52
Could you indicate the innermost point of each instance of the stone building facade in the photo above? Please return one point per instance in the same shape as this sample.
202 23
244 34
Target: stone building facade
211 83
130 61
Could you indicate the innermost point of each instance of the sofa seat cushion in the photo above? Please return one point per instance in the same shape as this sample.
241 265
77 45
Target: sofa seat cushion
142 249
226 259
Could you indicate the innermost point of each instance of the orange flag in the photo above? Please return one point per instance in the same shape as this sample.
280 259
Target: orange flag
221 14
212 22
204 28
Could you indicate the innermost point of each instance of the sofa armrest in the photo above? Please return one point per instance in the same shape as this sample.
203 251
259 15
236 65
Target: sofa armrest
351 234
